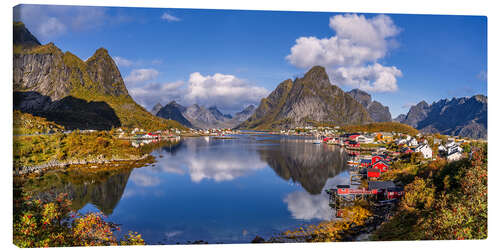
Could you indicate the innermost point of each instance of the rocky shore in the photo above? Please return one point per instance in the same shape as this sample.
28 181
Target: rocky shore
37 169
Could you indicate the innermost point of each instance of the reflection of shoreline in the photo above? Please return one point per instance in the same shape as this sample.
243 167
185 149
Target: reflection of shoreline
310 165
103 189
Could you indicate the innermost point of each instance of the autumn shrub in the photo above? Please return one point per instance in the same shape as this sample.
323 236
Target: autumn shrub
329 231
40 223
445 201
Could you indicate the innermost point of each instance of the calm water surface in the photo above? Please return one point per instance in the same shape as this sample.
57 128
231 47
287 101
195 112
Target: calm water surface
219 190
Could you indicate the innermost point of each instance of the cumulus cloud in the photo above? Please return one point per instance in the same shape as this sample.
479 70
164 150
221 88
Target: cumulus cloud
226 91
122 62
351 55
152 93
371 78
170 18
141 76
50 21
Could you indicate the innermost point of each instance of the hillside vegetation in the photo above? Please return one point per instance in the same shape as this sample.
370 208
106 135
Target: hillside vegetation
381 127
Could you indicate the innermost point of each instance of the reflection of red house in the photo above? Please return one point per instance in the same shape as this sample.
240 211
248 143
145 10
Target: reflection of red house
353 144
340 213
326 139
373 173
382 165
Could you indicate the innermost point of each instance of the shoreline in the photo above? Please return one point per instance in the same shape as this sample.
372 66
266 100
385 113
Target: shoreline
52 165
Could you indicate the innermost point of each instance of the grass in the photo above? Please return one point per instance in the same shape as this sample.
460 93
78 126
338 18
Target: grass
36 150
29 124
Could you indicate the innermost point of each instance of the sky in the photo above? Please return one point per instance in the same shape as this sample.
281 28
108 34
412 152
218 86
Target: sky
232 58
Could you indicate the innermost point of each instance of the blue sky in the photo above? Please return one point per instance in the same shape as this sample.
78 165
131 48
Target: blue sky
234 58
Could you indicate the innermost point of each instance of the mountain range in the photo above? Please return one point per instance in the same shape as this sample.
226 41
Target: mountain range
196 116
71 92
306 101
465 116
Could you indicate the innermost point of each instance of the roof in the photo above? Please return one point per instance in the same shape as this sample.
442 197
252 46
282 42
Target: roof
395 189
366 161
380 184
383 162
343 186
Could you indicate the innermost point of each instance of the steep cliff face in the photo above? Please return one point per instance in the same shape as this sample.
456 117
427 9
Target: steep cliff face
377 111
303 101
466 116
243 115
64 89
156 108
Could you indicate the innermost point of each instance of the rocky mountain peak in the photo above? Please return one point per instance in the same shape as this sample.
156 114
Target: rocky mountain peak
361 96
317 75
377 111
103 71
156 108
23 37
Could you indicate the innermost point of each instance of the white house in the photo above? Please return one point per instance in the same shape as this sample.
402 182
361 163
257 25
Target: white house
365 139
425 150
413 142
454 156
454 148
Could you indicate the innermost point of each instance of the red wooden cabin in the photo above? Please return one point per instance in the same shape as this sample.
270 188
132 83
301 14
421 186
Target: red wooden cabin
382 165
376 158
373 173
394 193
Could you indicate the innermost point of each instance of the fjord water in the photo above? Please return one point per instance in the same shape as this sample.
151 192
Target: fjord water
220 190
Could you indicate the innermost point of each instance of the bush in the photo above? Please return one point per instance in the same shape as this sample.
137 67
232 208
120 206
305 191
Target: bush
40 223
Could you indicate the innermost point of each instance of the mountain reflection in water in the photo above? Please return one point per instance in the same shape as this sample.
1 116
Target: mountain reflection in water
215 190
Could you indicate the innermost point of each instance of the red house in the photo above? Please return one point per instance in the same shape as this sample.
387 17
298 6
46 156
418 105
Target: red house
394 193
373 173
376 158
343 189
382 165
353 137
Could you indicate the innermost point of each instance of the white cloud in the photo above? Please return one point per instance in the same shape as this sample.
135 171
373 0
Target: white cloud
152 93
141 76
371 78
170 18
122 62
50 21
351 55
225 91
51 27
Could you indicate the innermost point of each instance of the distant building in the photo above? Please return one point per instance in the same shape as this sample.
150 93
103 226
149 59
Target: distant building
425 150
